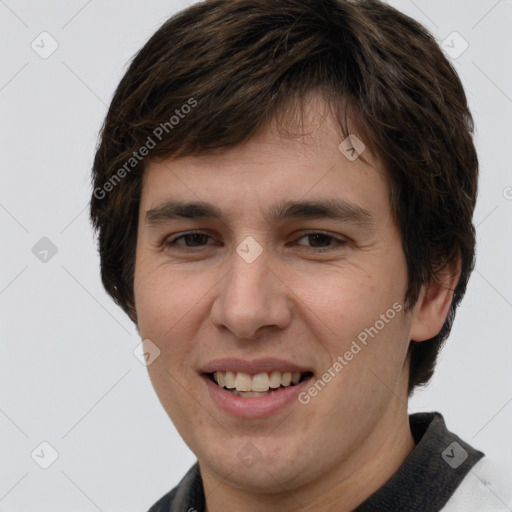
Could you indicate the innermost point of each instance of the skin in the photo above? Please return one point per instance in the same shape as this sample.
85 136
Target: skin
293 302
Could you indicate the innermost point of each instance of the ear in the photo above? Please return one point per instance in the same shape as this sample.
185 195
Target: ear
434 302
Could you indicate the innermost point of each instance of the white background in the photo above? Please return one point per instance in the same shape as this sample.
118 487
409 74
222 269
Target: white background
67 372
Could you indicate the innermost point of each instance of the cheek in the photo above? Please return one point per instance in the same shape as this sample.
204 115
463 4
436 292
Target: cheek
348 300
161 299
170 308
357 314
154 308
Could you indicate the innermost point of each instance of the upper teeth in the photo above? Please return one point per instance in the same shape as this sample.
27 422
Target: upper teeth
260 382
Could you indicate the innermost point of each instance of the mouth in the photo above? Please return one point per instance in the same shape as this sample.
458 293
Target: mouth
257 385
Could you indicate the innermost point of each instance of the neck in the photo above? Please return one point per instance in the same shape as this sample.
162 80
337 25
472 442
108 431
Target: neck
340 490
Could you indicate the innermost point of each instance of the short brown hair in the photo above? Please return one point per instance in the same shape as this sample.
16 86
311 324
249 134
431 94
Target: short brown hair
236 63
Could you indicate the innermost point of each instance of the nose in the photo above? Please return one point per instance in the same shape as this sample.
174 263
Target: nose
252 296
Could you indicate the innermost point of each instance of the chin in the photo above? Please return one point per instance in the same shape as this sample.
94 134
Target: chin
255 468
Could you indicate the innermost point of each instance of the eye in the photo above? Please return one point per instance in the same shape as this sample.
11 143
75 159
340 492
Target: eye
322 240
196 237
318 240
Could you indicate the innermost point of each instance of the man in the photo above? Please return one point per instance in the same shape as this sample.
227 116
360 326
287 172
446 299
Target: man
284 195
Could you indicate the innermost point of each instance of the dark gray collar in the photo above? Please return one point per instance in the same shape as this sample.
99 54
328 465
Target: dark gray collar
430 474
423 483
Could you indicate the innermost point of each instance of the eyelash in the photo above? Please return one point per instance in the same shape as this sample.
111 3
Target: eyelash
339 241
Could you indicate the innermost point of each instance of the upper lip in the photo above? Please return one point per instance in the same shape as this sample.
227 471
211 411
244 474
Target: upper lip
254 366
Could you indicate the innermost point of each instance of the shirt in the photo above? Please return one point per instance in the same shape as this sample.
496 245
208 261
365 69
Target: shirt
442 473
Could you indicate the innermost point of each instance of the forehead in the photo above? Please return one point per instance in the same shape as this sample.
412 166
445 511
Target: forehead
304 160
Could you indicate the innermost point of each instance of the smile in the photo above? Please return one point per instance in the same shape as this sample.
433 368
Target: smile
259 385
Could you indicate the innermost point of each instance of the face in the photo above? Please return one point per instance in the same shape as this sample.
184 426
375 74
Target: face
253 289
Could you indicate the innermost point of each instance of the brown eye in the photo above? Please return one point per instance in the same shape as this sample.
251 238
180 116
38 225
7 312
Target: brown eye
319 240
196 239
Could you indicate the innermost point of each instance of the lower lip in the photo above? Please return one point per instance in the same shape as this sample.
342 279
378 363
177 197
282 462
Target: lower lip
255 407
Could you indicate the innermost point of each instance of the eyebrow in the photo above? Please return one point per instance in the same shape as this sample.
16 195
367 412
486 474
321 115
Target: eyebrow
335 208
